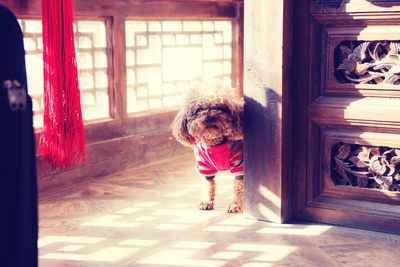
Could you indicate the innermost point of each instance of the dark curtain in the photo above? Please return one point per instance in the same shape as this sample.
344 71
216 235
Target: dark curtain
18 203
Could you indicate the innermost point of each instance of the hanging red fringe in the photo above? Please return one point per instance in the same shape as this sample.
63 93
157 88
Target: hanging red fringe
62 142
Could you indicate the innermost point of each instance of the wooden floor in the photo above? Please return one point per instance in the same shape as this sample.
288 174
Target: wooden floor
148 216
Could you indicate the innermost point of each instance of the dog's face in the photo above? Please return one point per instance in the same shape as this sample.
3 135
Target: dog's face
210 120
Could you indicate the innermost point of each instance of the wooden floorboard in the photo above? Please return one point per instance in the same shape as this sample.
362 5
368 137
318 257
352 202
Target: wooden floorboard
147 216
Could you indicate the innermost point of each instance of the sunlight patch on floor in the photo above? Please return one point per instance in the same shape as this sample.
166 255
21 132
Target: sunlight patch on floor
110 221
192 244
146 218
71 248
223 228
309 230
146 204
268 252
257 264
128 210
181 205
240 219
170 226
179 257
107 254
226 255
138 242
48 240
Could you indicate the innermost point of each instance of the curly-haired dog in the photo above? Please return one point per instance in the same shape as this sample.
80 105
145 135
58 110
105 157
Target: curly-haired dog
213 125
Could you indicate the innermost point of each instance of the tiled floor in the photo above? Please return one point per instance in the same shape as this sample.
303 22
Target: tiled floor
148 216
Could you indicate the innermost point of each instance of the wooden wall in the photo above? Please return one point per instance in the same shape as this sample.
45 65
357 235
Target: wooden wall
126 140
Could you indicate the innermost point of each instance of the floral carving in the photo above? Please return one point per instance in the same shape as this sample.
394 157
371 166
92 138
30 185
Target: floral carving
366 166
361 62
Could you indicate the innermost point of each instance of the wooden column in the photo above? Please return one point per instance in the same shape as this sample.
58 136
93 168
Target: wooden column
267 86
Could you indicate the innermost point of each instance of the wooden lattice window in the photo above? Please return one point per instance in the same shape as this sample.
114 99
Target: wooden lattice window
91 47
164 57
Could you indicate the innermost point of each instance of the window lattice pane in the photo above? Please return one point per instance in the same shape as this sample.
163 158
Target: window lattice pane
164 57
90 44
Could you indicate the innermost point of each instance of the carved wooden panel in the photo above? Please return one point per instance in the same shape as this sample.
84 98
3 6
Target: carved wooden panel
368 62
374 167
358 163
361 62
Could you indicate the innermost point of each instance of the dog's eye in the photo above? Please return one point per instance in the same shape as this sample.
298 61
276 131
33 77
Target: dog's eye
197 111
224 109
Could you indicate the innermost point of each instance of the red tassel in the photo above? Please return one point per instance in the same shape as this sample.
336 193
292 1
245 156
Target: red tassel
62 142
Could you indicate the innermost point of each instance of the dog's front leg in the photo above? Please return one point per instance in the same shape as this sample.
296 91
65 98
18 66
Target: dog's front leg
207 202
237 203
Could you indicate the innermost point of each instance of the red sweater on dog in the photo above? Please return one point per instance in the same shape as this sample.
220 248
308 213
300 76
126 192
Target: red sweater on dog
228 156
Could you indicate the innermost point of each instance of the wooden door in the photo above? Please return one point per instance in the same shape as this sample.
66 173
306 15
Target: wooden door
346 122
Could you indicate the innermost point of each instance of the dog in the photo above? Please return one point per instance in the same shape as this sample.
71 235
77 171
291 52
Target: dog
211 122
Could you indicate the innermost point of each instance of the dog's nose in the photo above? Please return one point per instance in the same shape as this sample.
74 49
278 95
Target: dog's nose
210 120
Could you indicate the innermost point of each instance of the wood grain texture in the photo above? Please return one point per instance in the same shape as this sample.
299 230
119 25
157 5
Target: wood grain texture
267 76
119 66
379 112
116 145
301 97
136 8
237 47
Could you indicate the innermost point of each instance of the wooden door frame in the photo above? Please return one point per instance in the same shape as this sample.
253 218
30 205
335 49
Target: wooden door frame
312 201
268 27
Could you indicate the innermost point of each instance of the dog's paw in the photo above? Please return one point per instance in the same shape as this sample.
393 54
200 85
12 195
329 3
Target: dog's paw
206 205
234 207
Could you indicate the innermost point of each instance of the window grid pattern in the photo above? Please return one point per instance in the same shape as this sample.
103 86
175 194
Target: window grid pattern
91 52
163 58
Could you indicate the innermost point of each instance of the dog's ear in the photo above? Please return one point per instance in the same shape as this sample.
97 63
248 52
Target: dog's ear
180 130
236 107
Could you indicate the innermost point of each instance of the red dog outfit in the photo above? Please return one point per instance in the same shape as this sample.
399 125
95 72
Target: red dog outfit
228 156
